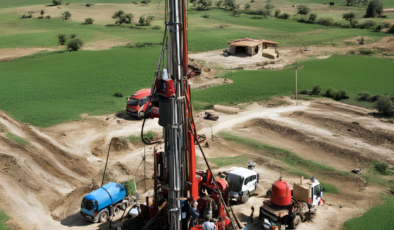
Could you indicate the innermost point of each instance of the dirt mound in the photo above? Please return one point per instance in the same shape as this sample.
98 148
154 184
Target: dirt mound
119 144
68 204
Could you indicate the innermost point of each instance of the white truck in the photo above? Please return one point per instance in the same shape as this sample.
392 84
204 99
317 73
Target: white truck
242 183
305 197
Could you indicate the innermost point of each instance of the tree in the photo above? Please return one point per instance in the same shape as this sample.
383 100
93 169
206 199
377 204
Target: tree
42 13
204 5
277 13
269 6
350 2
316 90
66 15
123 17
149 19
57 2
142 20
219 3
391 30
349 17
302 9
247 6
384 105
374 8
365 2
62 39
89 20
286 16
75 44
312 18
229 4
30 14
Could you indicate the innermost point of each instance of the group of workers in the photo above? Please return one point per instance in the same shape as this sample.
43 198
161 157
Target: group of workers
194 213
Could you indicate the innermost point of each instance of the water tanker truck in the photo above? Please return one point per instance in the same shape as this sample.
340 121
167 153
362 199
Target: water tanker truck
103 202
291 207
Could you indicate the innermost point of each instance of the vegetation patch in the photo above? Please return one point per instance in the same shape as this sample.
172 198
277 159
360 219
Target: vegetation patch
130 187
17 139
133 139
3 218
224 161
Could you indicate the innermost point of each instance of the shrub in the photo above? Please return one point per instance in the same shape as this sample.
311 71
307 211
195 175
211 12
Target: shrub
286 16
386 25
303 91
349 17
75 44
89 20
374 98
335 94
337 24
367 52
219 3
326 21
361 40
378 27
316 90
42 12
204 5
57 2
312 18
155 27
251 1
62 39
392 98
369 24
206 16
48 16
118 94
364 96
256 17
264 13
73 35
236 12
66 15
145 1
89 4
229 4
303 9
330 92
247 6
381 166
277 13
344 94
122 17
374 8
384 105
269 6
391 30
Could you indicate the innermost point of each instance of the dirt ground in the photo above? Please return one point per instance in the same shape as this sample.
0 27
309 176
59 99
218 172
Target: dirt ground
43 182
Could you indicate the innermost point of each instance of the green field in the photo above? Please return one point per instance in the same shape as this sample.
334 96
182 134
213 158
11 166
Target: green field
58 87
379 217
351 73
3 218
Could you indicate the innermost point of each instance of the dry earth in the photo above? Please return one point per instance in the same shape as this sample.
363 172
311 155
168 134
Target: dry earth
43 182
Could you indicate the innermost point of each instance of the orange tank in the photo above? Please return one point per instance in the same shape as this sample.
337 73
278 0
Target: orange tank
281 194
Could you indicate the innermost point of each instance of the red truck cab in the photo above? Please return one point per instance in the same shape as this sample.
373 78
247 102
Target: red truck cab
135 103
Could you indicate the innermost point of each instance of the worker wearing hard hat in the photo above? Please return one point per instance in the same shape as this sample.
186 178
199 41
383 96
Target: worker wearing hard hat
193 214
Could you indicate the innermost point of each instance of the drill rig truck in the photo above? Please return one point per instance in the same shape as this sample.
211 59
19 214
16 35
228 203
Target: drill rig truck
176 180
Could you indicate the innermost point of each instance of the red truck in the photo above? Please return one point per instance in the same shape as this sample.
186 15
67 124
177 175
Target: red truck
135 104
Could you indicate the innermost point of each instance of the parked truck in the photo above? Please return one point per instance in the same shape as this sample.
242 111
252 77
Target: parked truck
288 207
103 202
242 183
136 103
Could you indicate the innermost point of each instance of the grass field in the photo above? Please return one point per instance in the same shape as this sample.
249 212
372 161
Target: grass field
57 87
351 73
379 217
296 165
3 218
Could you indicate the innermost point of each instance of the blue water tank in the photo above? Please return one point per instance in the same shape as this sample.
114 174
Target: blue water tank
101 196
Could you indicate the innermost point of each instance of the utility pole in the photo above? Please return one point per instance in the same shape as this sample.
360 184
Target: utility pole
296 84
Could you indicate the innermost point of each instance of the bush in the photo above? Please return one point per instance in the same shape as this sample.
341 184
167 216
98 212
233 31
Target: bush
381 166
219 3
344 94
286 16
57 2
62 39
155 27
374 8
312 18
89 4
269 6
386 25
335 94
374 98
48 16
277 13
89 20
384 105
247 6
378 28
369 24
206 16
391 30
122 17
66 15
303 91
118 94
326 21
316 90
303 9
75 44
337 24
367 52
256 17
364 96
73 35
264 13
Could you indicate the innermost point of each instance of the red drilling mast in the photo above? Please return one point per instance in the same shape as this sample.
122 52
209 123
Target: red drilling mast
175 177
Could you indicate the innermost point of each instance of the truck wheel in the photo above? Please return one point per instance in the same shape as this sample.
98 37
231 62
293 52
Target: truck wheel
269 192
295 222
103 217
141 115
244 198
123 206
117 209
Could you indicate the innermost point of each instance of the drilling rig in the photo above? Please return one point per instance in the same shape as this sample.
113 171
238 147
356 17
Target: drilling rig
176 179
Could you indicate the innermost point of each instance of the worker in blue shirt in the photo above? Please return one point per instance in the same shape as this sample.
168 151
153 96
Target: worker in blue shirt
193 214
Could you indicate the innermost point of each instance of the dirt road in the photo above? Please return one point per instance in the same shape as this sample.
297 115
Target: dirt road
43 182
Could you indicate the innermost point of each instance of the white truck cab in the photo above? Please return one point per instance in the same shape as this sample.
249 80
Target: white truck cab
242 183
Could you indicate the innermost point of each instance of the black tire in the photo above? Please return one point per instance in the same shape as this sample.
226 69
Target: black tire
269 192
117 209
123 206
294 223
103 217
141 115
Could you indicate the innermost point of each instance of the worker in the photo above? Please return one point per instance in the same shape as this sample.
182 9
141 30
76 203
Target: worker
208 225
211 205
193 214
185 214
